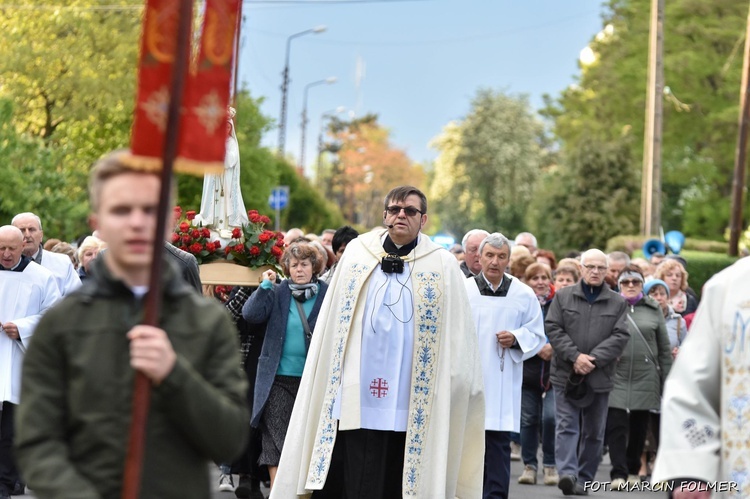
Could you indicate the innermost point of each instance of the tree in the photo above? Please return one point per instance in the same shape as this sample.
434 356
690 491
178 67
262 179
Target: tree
702 63
367 166
488 165
590 198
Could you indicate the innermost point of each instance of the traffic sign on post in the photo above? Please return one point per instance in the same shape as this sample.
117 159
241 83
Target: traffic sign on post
278 199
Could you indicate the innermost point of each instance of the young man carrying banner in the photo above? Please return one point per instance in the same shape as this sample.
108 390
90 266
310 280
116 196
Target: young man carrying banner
78 374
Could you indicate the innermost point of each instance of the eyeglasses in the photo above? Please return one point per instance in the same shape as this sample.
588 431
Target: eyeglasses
592 268
630 282
409 211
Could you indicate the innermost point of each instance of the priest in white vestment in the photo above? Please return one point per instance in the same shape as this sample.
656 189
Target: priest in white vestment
705 412
390 403
510 329
62 269
27 290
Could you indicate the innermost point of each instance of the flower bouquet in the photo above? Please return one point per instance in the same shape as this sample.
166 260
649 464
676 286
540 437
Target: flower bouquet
255 246
195 239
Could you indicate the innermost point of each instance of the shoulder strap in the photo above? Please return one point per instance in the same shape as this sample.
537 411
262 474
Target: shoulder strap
679 336
651 352
303 318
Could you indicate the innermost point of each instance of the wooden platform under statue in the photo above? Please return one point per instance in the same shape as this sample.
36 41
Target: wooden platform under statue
231 274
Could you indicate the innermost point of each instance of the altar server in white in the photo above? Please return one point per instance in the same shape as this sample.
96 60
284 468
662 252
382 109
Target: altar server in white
390 403
27 290
510 329
705 411
65 275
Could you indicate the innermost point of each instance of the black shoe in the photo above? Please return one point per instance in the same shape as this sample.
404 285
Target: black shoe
579 490
567 484
19 489
244 487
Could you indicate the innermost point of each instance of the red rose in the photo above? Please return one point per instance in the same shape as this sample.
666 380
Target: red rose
227 250
239 248
265 220
276 251
196 248
254 218
236 233
184 226
186 239
184 248
265 236
279 243
195 234
175 238
255 251
210 247
190 215
279 236
252 212
205 233
177 211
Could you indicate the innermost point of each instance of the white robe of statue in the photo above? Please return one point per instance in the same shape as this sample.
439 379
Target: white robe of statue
222 207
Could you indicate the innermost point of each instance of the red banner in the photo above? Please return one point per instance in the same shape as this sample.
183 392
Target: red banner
203 122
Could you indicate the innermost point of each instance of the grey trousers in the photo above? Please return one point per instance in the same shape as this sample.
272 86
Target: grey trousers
579 436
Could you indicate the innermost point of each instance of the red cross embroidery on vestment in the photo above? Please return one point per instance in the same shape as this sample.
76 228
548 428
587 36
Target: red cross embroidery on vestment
379 388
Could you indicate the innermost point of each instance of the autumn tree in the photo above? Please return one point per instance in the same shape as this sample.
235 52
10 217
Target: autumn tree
366 167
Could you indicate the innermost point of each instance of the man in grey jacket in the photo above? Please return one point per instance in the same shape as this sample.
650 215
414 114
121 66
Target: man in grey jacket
587 328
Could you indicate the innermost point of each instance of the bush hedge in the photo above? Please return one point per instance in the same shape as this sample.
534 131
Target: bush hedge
631 244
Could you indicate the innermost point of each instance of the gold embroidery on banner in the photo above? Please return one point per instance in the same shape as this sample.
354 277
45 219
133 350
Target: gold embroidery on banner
161 27
211 114
217 37
156 108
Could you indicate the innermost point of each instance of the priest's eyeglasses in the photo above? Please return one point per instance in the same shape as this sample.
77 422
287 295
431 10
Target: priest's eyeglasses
409 211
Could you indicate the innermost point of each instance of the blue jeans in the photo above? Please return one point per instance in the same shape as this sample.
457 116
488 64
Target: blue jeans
537 416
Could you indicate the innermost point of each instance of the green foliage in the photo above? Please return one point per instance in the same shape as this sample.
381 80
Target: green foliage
633 243
702 266
34 179
590 198
702 64
488 165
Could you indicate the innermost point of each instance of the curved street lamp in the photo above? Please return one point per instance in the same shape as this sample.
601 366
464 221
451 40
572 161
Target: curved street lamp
328 81
285 84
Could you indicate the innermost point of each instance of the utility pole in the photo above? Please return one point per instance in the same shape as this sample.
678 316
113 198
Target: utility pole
651 182
740 156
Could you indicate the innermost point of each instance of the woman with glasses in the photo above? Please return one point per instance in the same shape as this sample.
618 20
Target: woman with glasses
636 395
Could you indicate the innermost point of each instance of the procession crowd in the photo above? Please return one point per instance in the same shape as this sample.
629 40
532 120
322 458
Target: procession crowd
374 365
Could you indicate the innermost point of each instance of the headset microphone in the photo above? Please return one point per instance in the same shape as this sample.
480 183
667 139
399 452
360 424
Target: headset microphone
389 226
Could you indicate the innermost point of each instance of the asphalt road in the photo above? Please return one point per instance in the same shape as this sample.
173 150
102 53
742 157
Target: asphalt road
516 491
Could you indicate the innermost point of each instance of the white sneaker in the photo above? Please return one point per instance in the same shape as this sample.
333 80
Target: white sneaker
226 484
515 452
618 484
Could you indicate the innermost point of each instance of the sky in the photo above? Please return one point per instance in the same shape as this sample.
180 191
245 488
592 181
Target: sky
415 63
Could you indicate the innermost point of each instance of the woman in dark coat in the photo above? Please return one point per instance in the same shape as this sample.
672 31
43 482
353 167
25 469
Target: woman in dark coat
285 345
636 395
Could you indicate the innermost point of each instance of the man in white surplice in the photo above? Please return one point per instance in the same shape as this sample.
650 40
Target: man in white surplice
510 329
27 290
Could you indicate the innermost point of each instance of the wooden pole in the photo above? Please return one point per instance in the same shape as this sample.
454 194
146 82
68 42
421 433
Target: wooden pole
142 384
651 181
740 156
236 68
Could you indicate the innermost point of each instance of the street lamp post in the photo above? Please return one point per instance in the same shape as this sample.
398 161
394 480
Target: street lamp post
285 85
328 81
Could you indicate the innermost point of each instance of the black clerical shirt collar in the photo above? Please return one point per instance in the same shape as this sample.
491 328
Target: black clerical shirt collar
486 290
20 266
390 247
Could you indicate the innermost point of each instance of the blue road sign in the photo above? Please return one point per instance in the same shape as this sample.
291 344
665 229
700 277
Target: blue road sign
279 197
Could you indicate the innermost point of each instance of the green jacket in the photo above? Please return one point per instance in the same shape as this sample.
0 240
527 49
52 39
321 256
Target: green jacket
73 421
637 381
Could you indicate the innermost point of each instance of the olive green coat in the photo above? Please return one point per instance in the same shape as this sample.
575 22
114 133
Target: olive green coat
637 380
77 385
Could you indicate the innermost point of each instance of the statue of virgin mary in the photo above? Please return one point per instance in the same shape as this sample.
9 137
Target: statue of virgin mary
222 207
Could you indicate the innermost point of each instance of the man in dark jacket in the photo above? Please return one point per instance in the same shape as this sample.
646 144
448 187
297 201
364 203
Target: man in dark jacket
587 328
78 373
